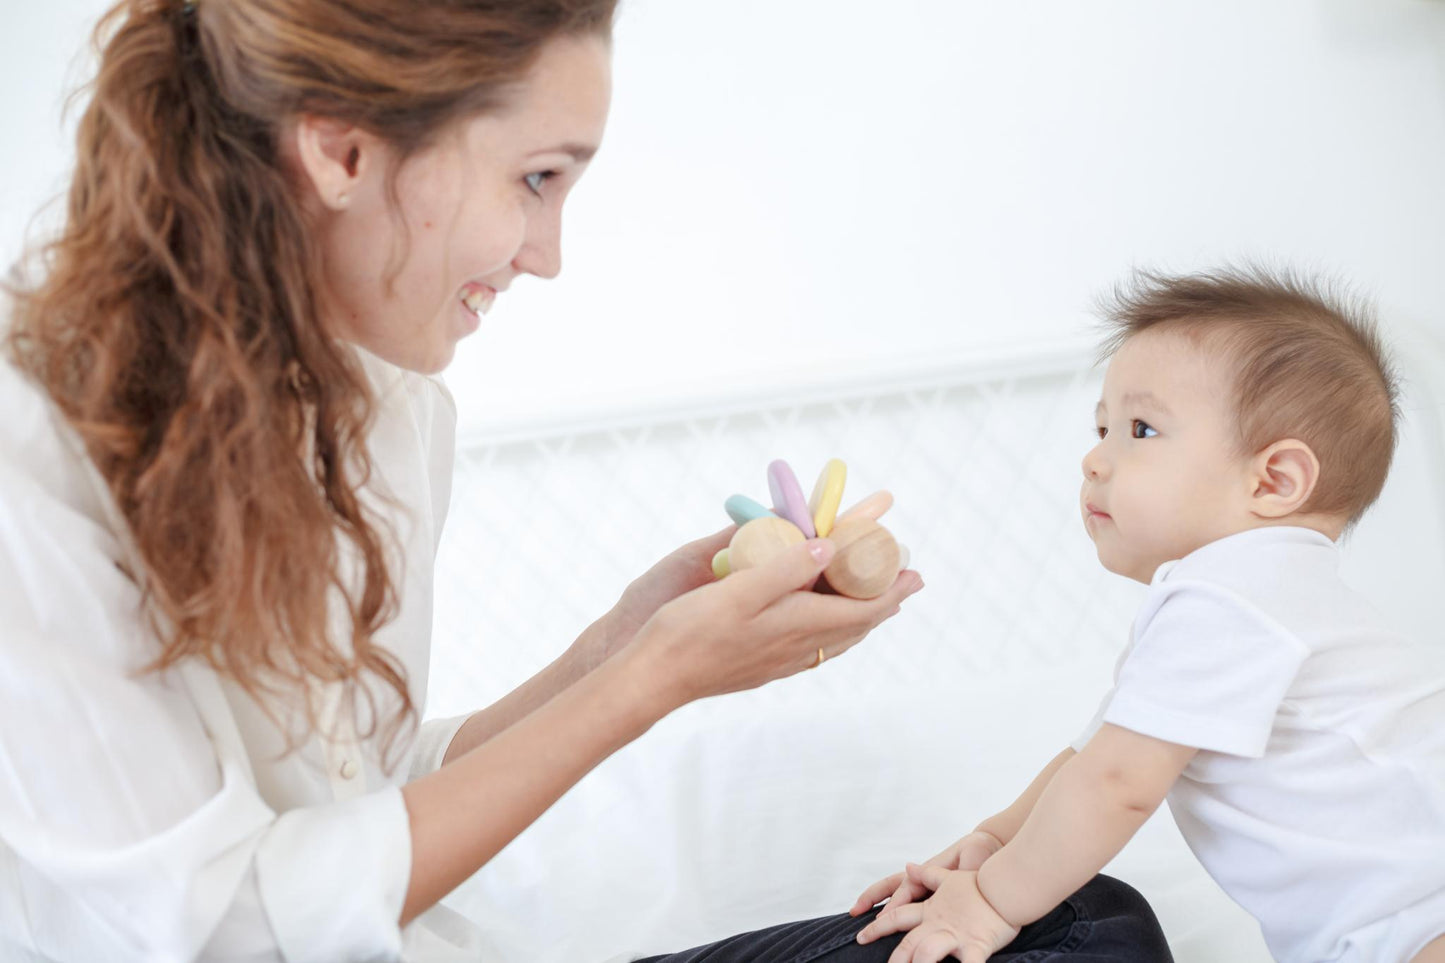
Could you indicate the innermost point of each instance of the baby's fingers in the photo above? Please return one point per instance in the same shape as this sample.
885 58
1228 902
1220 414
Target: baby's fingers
925 875
891 921
907 892
937 945
875 894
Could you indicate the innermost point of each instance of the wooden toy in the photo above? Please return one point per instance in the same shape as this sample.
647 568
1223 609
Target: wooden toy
867 557
761 539
742 509
827 496
788 497
871 507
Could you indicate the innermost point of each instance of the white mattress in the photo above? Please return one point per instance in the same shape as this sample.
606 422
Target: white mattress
785 802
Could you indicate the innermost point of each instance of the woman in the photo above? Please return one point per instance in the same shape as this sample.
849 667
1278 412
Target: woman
226 467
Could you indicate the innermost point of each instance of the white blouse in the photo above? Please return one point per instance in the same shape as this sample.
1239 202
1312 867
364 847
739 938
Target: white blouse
153 816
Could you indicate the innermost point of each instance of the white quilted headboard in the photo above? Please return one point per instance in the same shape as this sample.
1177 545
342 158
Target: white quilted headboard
783 803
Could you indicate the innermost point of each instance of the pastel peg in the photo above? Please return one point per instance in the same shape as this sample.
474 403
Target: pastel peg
874 506
903 556
760 540
742 509
722 564
866 561
788 499
827 496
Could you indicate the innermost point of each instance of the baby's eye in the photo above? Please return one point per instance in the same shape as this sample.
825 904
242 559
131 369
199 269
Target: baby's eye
1139 429
1101 431
536 179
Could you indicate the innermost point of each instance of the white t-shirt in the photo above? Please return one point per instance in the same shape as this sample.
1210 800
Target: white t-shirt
1317 800
151 816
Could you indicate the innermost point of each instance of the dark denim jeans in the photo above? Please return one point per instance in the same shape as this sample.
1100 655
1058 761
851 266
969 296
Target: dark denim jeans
1105 922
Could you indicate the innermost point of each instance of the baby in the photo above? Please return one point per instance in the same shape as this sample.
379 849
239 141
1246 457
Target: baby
1246 422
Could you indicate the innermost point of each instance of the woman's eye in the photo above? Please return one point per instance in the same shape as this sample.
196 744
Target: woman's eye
537 179
1141 430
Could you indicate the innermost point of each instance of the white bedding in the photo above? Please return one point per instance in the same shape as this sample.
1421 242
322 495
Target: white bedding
784 803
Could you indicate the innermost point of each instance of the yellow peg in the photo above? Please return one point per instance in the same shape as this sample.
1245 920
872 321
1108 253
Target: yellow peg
827 496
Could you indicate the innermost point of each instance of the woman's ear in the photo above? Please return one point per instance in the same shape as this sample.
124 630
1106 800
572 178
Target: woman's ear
334 158
1285 475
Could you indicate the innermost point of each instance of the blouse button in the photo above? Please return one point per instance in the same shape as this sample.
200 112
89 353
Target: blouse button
348 769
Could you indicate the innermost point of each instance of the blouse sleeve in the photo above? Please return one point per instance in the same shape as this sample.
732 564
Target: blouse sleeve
132 818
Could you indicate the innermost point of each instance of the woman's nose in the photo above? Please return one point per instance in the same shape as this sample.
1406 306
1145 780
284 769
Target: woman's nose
541 252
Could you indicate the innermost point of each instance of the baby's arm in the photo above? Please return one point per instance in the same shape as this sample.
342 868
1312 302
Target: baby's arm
1004 825
1083 816
969 852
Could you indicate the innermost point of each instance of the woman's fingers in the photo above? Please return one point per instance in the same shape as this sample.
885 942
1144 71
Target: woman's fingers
845 620
875 894
709 545
758 624
830 622
796 567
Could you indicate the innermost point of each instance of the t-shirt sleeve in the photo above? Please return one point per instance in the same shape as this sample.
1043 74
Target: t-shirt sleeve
1207 669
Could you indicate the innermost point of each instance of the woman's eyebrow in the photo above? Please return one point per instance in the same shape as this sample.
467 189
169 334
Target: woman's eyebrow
581 153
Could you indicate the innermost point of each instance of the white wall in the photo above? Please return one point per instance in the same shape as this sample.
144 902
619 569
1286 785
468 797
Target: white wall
794 189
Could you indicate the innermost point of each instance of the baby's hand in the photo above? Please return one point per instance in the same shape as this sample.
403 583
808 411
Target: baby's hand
955 921
967 854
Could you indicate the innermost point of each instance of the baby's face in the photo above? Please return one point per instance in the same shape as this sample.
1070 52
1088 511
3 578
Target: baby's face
1166 477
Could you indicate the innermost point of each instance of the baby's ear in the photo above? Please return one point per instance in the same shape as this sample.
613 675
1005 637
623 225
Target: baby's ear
1285 475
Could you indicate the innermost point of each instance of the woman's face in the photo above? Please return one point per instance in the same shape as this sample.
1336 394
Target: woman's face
471 214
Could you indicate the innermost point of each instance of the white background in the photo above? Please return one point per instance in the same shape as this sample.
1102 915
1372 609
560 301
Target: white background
796 192
791 189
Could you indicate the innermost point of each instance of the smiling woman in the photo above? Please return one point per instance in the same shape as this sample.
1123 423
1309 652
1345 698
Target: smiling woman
481 207
226 464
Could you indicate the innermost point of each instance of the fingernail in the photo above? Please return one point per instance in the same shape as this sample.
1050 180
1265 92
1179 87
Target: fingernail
820 549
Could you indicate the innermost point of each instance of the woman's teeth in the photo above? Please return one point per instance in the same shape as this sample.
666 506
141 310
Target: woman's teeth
478 302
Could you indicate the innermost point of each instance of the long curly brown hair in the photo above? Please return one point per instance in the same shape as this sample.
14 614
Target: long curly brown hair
176 321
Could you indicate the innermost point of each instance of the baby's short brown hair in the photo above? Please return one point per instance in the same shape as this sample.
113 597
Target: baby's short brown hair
1307 364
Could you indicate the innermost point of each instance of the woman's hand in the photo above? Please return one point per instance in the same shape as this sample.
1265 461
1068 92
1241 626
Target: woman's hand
967 853
688 568
760 624
955 921
682 571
